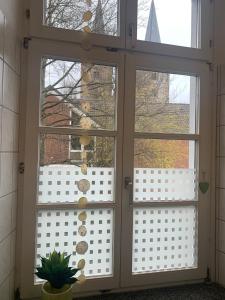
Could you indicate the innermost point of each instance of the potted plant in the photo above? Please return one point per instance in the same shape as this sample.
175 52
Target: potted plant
59 277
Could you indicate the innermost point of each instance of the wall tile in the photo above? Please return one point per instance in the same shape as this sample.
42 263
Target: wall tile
221 204
5 216
2 26
221 269
5 289
222 80
12 47
4 259
6 180
1 81
11 285
221 236
222 110
14 211
218 141
217 172
10 89
222 140
12 250
221 172
14 171
218 100
9 130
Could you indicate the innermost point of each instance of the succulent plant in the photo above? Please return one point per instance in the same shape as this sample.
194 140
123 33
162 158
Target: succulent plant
56 271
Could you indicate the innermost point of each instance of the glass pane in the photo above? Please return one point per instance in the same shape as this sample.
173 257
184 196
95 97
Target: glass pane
174 22
90 239
164 170
97 16
166 103
77 94
164 239
74 167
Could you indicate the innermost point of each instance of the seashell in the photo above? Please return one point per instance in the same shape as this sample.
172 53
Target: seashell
82 247
82 216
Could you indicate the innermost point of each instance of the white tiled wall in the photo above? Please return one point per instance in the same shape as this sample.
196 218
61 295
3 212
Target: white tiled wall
10 47
221 176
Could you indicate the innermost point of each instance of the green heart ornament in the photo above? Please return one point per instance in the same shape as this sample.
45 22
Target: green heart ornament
203 186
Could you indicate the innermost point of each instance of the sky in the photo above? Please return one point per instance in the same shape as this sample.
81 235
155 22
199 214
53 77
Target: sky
174 20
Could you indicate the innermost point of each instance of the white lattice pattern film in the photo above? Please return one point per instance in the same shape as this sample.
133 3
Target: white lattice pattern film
164 184
164 239
61 230
58 183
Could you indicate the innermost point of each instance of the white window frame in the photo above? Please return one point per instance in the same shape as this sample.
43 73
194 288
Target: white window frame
174 66
205 28
38 50
61 43
37 29
128 32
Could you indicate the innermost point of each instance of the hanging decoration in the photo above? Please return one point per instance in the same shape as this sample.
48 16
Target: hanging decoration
85 106
82 230
82 247
82 203
87 16
82 216
85 140
85 123
81 264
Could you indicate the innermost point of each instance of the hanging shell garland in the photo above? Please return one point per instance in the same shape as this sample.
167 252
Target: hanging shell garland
87 16
82 230
82 216
81 264
82 247
82 202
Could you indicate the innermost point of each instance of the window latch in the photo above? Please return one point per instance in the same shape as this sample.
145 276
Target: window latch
128 183
131 32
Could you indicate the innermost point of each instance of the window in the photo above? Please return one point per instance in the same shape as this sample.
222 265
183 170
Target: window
171 22
115 141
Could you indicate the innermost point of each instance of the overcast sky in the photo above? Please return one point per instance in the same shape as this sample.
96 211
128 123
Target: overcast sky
174 21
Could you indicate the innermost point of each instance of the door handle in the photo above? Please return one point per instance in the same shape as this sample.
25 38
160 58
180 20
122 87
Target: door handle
128 183
132 35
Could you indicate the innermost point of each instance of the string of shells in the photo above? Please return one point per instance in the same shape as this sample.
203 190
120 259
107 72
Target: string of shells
83 186
87 16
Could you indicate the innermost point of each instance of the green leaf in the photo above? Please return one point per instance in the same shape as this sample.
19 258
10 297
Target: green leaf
56 271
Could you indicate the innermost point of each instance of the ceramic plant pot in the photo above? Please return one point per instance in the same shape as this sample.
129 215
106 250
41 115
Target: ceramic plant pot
47 293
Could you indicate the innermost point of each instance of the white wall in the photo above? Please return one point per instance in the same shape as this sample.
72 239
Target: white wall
9 122
219 60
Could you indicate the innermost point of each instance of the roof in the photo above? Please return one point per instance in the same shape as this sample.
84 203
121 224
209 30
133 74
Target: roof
98 23
152 32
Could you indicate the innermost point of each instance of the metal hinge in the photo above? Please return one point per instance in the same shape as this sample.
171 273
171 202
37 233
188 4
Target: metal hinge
26 41
21 167
27 13
112 49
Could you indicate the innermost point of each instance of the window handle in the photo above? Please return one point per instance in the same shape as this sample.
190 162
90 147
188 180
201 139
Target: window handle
129 187
132 35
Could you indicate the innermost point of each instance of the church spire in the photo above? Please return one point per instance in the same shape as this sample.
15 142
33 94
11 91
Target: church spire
98 23
152 32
